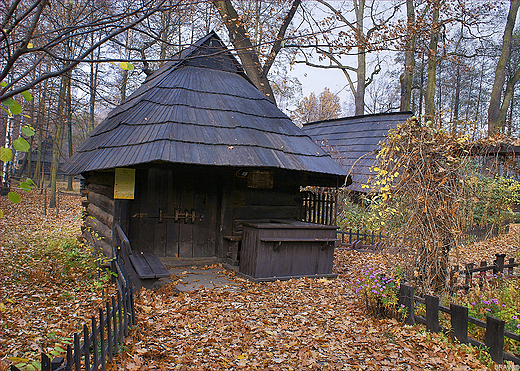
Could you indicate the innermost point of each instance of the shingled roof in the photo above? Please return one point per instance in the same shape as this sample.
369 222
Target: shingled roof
200 109
353 141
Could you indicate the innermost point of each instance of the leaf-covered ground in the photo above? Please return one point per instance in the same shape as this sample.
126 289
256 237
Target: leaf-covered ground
299 324
49 285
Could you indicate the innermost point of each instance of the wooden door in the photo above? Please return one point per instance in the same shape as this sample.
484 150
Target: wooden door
174 214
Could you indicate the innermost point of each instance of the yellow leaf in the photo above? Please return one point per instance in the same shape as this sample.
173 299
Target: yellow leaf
269 332
242 356
30 46
2 308
18 359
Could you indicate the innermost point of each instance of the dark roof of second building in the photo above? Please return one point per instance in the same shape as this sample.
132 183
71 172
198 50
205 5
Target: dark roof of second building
353 141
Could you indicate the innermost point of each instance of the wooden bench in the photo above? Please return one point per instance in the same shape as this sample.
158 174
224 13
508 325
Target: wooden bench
233 243
146 265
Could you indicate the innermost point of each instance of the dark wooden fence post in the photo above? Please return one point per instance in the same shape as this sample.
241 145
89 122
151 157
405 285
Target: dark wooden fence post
46 363
495 338
102 339
406 294
511 263
77 353
109 332
459 322
432 313
86 345
499 263
115 339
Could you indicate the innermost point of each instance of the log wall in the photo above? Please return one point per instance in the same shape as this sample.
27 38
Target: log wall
99 212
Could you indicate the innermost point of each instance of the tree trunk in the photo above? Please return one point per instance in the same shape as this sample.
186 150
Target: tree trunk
245 49
494 111
406 78
57 140
429 104
508 97
361 58
456 101
69 130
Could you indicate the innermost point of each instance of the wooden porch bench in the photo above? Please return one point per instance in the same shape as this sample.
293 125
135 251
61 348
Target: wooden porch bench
148 266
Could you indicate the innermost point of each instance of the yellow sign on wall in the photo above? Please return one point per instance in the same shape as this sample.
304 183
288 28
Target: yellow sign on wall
124 187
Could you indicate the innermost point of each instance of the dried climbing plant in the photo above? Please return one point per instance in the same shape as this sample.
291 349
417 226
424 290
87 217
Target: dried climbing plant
424 199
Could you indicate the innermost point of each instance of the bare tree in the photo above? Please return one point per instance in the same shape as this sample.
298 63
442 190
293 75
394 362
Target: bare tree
247 52
324 107
497 107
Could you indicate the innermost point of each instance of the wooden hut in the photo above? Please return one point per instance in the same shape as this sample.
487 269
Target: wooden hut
192 155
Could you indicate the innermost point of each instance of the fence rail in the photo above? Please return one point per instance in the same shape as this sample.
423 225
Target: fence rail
361 239
459 321
91 349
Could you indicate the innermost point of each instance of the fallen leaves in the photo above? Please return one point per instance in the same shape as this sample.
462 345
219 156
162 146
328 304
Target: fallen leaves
42 301
297 324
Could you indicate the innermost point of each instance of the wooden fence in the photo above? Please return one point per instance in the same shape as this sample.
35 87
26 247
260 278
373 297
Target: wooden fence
459 321
361 239
91 348
319 207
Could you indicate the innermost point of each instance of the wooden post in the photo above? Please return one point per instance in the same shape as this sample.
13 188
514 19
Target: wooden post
132 308
102 339
495 338
511 263
499 263
406 294
95 356
77 353
432 313
459 322
86 344
115 339
46 363
120 317
109 333
125 311
70 360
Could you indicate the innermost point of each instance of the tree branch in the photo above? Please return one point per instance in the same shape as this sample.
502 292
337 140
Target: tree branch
70 66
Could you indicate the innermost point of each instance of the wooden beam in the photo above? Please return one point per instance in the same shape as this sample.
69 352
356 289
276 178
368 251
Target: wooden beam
100 214
98 244
102 202
97 226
